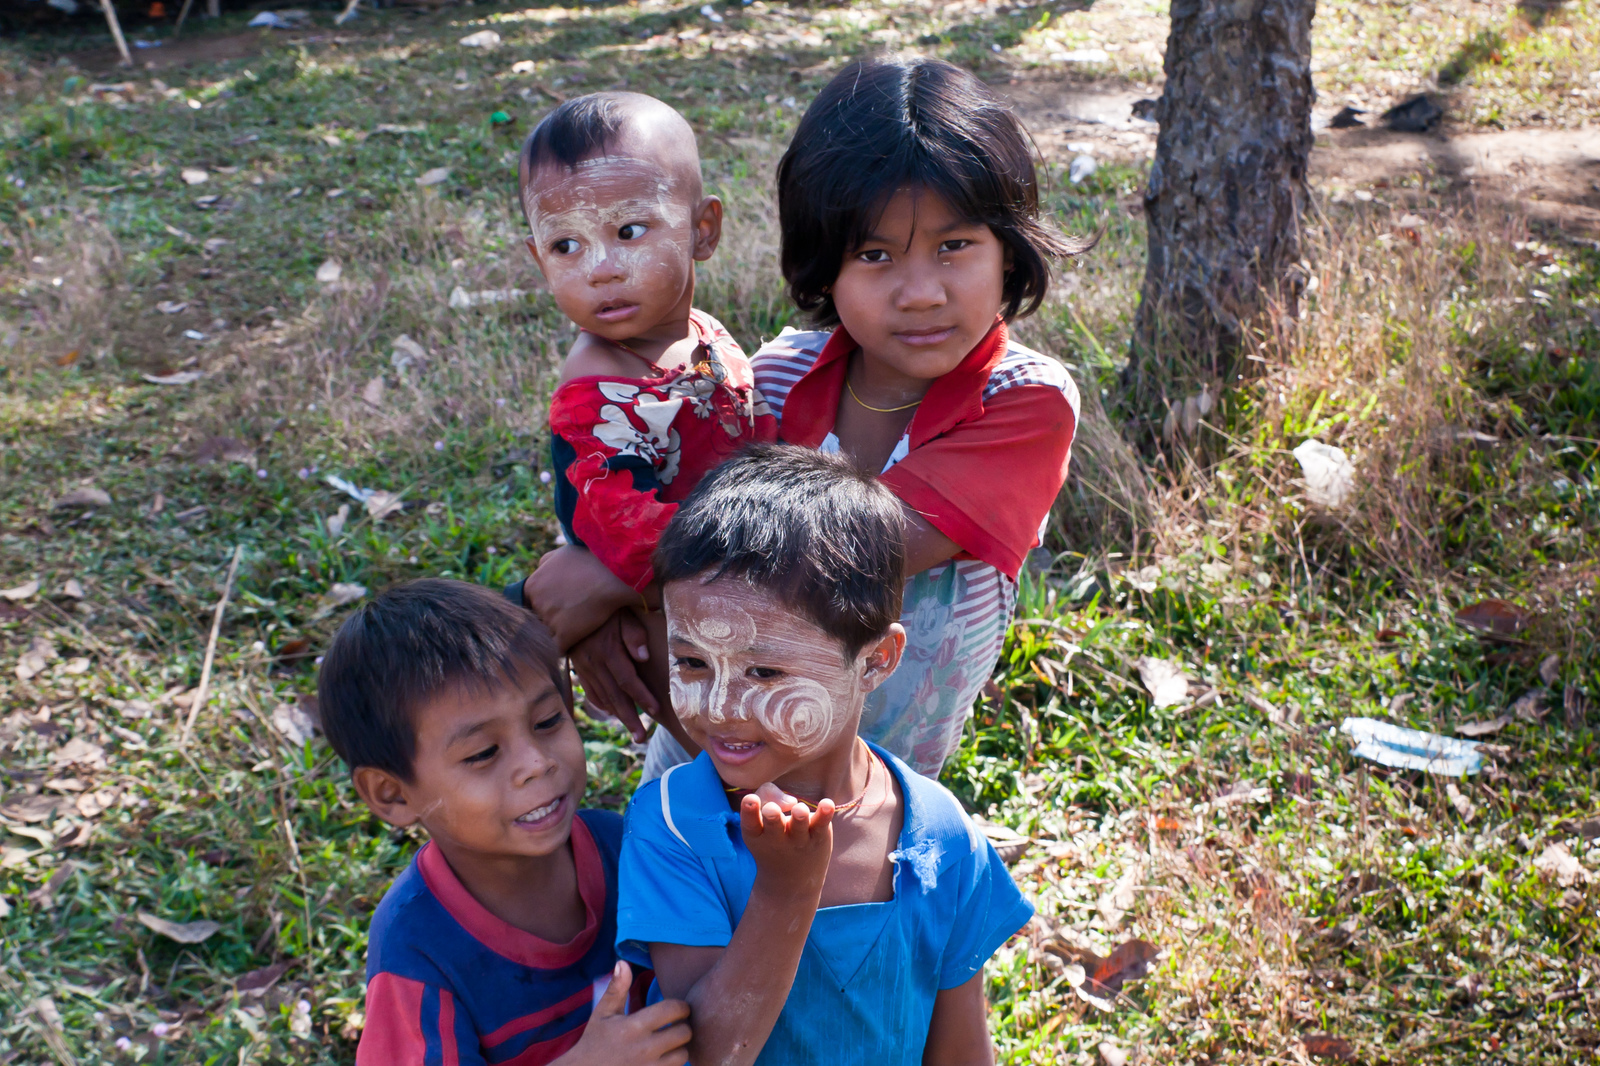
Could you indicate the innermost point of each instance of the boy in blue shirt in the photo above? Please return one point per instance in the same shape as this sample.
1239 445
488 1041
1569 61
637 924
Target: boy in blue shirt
497 942
811 897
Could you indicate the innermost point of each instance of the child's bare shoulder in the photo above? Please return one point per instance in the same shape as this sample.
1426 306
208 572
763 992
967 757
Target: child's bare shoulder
591 356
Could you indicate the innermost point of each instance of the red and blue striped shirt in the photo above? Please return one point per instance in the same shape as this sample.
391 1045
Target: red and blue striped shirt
449 984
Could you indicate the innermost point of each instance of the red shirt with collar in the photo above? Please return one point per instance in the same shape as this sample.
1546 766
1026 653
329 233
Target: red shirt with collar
984 472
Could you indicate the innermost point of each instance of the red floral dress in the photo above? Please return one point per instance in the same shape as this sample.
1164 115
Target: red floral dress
626 450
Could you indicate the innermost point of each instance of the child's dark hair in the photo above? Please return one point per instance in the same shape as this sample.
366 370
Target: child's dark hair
412 643
886 124
825 538
575 130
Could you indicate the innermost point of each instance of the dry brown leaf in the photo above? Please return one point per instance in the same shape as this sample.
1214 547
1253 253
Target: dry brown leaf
260 980
80 752
21 592
1561 866
1332 1048
68 358
1165 680
1550 670
88 496
372 393
1494 618
182 932
1484 728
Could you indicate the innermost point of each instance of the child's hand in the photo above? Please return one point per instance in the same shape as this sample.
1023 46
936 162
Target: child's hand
658 1035
573 593
605 663
790 842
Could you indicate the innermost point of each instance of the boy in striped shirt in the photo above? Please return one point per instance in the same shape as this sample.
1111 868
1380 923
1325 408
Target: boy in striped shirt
497 943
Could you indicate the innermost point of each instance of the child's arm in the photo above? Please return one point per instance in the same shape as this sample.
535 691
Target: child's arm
655 1036
959 1032
736 993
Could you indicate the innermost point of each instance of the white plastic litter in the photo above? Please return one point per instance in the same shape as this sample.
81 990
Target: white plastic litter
1082 166
1330 475
481 39
1412 749
355 492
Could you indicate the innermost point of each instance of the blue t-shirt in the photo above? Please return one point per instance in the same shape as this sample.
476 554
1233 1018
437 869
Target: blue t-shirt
448 982
869 973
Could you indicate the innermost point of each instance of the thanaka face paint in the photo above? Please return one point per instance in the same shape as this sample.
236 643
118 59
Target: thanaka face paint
759 687
615 238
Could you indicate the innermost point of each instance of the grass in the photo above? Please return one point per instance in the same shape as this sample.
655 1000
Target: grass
1292 889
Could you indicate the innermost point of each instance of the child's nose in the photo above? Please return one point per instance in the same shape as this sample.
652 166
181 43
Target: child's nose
607 267
923 287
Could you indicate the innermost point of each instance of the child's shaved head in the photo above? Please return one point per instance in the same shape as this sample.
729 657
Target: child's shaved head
630 125
617 216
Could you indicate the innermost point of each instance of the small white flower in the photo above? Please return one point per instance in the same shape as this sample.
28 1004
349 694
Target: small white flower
438 445
544 477
160 1029
123 1043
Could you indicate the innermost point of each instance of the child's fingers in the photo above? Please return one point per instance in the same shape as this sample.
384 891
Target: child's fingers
635 637
663 1041
615 999
661 1015
750 816
772 819
822 817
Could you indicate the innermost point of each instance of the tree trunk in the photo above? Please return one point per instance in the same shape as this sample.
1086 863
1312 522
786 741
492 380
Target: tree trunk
1222 206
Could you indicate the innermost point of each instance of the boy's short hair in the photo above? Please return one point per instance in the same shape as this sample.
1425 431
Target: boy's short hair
819 534
575 130
408 646
885 124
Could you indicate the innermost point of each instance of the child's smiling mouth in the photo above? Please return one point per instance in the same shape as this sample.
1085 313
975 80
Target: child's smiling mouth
543 817
734 752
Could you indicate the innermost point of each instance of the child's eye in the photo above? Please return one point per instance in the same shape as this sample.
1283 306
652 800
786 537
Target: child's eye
547 724
483 756
765 673
953 246
874 255
689 662
632 231
566 246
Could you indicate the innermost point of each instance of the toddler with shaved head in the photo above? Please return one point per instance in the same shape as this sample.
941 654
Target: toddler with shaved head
653 393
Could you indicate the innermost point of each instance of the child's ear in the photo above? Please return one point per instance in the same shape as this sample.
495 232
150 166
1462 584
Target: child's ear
532 244
385 794
707 228
883 655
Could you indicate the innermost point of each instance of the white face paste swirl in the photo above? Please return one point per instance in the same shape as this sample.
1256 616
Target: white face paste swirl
739 633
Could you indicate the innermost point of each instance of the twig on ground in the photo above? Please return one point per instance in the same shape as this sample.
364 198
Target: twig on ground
211 649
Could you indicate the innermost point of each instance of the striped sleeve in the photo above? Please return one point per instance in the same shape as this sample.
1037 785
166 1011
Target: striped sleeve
410 1023
783 361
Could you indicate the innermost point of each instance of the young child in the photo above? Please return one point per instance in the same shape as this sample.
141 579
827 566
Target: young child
810 896
910 223
653 393
497 942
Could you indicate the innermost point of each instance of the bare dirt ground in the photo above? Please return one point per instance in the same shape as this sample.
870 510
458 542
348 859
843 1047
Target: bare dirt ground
1553 174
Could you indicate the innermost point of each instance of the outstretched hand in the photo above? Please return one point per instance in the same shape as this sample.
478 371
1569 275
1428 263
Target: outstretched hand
658 1035
790 842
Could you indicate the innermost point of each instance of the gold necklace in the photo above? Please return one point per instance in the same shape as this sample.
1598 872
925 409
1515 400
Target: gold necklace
879 410
838 808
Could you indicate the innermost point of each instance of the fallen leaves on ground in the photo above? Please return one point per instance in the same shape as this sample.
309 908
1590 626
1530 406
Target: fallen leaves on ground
329 272
1484 728
1331 1048
293 723
87 496
182 932
1165 679
435 176
1495 618
39 655
1561 866
21 592
341 593
181 377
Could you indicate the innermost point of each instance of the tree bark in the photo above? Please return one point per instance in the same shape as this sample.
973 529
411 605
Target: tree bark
1223 202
